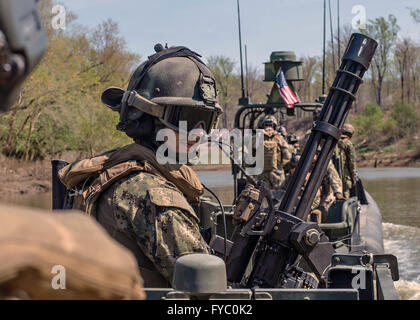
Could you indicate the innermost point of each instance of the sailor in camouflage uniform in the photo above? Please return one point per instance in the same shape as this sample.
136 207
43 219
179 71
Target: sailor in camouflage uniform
330 190
145 205
348 156
276 154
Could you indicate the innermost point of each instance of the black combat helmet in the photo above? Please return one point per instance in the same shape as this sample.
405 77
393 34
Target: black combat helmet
292 139
271 121
348 130
173 85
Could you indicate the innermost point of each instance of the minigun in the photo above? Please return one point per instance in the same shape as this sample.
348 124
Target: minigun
272 239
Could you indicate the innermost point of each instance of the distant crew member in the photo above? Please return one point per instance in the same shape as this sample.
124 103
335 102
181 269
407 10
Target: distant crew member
348 154
293 141
276 154
330 190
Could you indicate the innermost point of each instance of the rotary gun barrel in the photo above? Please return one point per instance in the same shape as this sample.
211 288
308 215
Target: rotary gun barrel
327 129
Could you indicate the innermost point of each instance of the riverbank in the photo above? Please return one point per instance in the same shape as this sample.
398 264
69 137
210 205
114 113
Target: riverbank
373 152
409 158
26 178
18 177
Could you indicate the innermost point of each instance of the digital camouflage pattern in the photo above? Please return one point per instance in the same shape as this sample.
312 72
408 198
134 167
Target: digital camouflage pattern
295 148
325 196
333 184
156 214
285 153
330 187
348 153
274 178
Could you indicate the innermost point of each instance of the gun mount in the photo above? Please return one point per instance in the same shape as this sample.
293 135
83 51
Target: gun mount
274 252
276 239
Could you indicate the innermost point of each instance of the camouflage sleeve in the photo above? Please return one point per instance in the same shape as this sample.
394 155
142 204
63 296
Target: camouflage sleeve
351 157
317 200
286 155
164 224
334 179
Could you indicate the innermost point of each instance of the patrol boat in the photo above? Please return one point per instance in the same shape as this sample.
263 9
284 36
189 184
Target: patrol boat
273 252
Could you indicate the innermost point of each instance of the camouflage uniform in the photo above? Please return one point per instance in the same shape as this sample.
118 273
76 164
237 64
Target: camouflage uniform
276 177
146 210
330 187
295 148
348 154
144 205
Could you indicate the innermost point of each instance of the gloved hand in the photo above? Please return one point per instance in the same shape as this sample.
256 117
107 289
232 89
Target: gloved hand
339 196
353 178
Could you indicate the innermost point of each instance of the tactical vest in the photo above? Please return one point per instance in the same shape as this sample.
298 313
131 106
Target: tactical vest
89 178
270 155
85 198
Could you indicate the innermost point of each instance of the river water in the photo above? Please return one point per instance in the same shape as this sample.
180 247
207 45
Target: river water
397 192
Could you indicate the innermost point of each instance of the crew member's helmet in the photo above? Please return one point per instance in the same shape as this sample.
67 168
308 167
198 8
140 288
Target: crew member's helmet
348 130
173 85
270 120
292 139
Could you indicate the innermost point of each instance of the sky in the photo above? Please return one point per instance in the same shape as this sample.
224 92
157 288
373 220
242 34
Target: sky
210 27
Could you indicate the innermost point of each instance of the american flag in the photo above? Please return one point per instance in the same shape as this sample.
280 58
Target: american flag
288 96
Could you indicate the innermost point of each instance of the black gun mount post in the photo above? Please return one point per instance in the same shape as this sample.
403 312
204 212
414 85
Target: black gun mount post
277 239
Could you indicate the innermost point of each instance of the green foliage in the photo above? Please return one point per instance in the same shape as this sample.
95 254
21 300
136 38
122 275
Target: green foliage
365 150
222 69
406 117
370 122
385 33
389 149
59 109
381 129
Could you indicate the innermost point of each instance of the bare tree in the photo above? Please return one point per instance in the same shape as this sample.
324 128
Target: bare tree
415 14
415 73
385 32
305 88
222 69
404 53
